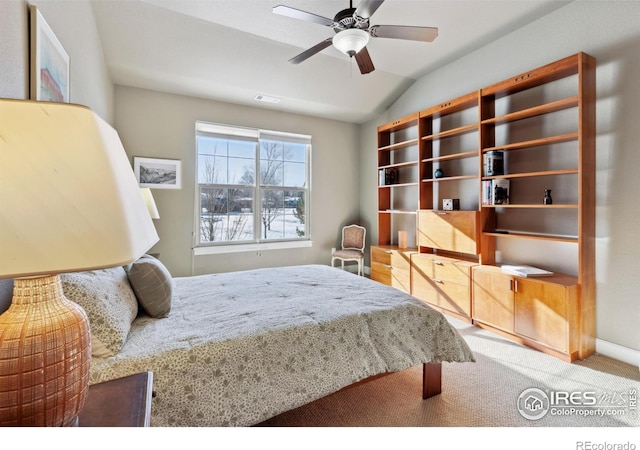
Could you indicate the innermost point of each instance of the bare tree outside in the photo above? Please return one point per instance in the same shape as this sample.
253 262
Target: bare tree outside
231 194
226 212
272 155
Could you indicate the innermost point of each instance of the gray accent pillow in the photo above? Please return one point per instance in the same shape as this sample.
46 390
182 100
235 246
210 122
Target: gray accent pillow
109 302
6 293
152 284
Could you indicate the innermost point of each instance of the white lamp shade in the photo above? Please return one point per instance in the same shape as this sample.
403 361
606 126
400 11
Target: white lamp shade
69 200
351 41
150 202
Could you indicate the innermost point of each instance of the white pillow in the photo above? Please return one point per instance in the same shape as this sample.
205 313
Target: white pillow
109 302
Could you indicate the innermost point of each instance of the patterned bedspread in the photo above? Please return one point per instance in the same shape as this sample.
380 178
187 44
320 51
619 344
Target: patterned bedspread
239 348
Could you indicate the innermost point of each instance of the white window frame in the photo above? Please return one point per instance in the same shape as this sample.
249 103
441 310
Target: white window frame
257 243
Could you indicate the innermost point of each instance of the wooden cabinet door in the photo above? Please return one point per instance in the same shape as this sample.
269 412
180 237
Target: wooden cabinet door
493 300
541 312
455 231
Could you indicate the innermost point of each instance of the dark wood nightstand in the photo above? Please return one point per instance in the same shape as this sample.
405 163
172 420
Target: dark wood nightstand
124 402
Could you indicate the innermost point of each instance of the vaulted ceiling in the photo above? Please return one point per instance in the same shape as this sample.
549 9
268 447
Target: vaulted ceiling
233 50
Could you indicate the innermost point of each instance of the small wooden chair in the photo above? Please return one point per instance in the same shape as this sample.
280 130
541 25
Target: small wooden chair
353 238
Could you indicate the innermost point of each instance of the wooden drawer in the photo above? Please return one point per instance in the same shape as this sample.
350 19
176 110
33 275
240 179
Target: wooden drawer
456 231
392 266
392 256
442 281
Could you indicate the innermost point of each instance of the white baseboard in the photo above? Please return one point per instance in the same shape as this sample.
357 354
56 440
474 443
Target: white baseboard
615 351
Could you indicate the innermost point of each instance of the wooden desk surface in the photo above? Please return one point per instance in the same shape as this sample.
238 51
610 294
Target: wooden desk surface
125 402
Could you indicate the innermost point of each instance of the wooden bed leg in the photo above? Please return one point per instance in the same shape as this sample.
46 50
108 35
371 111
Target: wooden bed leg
431 379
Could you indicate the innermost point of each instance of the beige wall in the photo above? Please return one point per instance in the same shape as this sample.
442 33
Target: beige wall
153 124
14 50
74 26
608 31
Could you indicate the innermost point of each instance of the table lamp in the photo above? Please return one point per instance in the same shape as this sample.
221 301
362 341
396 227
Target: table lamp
69 202
150 202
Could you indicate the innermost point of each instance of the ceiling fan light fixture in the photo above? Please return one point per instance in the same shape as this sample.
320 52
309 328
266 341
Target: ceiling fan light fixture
351 41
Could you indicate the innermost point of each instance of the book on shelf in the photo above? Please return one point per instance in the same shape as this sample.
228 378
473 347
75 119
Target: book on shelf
525 271
388 176
496 191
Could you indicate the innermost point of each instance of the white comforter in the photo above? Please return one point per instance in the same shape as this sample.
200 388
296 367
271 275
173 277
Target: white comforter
238 348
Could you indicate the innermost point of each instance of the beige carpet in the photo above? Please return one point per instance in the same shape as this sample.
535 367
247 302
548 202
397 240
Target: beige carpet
481 394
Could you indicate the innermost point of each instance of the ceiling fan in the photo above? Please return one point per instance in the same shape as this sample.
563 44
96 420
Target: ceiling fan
353 30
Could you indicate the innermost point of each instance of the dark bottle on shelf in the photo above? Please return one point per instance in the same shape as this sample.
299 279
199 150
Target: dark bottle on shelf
547 197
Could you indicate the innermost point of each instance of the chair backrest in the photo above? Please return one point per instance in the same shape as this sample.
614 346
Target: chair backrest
353 237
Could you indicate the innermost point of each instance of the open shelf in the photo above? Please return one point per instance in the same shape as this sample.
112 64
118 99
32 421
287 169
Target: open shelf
545 173
460 155
535 205
458 178
399 145
398 211
525 235
534 142
397 185
398 165
452 132
539 110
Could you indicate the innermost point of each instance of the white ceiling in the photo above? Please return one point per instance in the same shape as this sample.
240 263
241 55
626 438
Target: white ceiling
232 50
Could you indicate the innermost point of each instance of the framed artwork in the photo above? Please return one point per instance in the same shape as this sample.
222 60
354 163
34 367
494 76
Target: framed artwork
158 173
49 62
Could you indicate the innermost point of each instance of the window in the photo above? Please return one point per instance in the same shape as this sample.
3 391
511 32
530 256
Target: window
253 185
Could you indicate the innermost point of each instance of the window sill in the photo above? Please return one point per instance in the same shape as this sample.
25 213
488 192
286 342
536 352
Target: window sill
220 249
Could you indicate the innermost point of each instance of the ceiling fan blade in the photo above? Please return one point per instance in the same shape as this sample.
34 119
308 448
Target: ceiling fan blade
303 15
311 51
364 61
425 34
366 8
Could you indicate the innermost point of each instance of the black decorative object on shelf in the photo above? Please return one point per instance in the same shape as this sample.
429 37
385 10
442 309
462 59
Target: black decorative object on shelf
547 197
439 173
391 176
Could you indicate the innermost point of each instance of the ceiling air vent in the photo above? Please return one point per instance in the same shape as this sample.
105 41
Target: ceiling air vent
266 98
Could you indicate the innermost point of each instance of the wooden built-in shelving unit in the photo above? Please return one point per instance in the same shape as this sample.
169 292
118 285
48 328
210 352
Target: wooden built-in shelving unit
519 117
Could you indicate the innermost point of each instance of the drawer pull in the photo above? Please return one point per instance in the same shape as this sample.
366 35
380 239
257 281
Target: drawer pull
437 262
440 213
388 252
438 280
389 267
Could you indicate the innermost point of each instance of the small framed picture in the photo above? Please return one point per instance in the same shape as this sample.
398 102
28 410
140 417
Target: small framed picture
49 62
158 173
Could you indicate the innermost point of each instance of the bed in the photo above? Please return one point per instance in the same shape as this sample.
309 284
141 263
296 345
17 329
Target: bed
234 349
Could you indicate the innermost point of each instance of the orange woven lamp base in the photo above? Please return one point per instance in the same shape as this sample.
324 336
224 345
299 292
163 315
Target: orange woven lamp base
45 355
